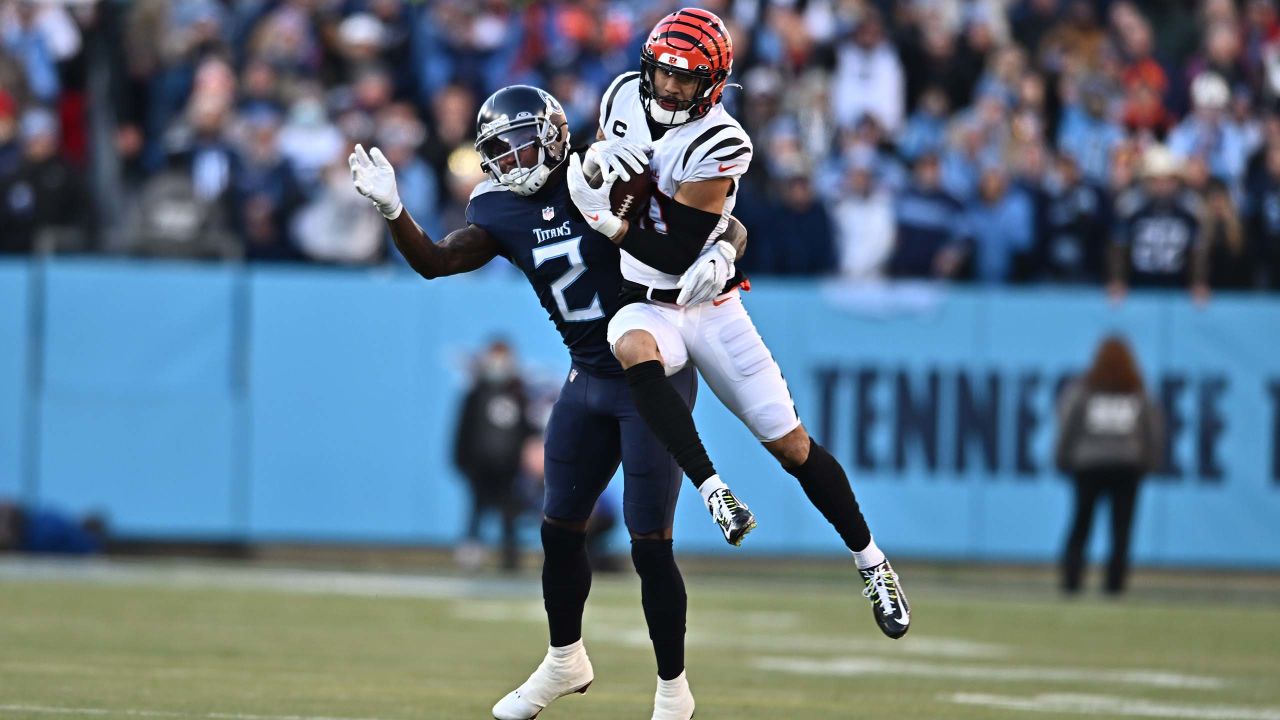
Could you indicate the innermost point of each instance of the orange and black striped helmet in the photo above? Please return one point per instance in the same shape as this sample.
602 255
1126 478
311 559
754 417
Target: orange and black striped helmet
693 43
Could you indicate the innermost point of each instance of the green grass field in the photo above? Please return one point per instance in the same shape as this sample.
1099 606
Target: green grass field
238 642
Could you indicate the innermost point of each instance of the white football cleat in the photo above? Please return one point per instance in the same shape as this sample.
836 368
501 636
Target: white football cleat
673 701
562 672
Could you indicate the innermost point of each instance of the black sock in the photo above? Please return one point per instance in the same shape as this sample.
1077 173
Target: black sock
566 581
669 417
828 489
665 603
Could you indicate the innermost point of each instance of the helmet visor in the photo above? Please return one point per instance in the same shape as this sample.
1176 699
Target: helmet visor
675 88
511 150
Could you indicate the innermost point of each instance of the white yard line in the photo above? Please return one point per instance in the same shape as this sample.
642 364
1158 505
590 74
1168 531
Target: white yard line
851 667
1112 706
133 712
763 631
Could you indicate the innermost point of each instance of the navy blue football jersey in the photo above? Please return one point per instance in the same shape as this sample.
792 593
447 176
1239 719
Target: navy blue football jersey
572 268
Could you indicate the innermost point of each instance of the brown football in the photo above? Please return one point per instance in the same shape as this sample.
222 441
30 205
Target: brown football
629 199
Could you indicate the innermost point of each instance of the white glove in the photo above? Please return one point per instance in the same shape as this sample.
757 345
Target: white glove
376 179
593 203
705 278
619 157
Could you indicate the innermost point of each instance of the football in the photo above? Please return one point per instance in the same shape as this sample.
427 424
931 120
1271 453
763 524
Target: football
628 199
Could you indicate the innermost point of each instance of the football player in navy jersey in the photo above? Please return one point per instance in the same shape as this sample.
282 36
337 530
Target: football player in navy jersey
523 213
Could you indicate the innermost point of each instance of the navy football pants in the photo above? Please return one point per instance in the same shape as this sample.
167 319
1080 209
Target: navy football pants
594 426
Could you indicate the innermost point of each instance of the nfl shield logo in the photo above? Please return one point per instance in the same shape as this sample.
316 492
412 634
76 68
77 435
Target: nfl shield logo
548 213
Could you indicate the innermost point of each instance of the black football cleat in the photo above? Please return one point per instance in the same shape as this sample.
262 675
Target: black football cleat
888 602
733 517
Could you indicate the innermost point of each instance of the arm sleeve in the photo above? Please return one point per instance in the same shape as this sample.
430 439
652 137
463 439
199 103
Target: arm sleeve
688 231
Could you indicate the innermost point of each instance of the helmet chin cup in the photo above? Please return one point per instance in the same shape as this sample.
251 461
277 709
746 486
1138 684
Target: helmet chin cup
668 118
532 181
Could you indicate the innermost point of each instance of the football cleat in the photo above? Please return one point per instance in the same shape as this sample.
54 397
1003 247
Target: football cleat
888 602
554 678
733 517
673 700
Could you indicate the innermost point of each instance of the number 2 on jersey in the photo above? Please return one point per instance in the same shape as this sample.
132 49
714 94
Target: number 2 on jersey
571 249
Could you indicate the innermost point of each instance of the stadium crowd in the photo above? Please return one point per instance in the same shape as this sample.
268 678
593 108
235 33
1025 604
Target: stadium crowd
1125 143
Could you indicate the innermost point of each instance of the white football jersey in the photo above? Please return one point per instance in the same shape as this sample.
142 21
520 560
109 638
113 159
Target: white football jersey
713 146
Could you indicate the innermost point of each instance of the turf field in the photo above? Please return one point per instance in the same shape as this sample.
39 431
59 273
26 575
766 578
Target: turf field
244 642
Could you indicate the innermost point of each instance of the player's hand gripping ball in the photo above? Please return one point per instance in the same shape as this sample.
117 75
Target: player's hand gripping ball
628 163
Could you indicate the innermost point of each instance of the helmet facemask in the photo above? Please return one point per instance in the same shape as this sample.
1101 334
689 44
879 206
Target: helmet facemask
530 148
670 112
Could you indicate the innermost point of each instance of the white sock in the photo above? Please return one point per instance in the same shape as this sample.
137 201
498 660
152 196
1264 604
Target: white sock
674 685
869 556
561 653
709 486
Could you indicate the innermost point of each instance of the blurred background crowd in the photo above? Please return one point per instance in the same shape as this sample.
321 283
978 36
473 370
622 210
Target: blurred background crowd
1119 144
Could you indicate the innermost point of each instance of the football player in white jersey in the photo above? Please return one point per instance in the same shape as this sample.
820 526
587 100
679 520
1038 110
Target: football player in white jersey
685 289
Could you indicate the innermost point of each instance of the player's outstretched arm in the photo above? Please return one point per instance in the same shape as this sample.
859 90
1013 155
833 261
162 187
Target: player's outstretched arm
461 251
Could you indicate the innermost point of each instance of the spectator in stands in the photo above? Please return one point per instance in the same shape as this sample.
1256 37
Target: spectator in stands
1260 37
934 55
1264 215
332 229
868 77
309 140
1073 242
267 192
864 222
824 80
926 128
931 234
259 89
493 427
1033 21
43 204
1208 135
471 44
797 236
188 209
1088 135
452 125
10 142
1000 226
21 37
1232 262
1221 55
399 135
1159 239
1110 434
